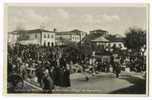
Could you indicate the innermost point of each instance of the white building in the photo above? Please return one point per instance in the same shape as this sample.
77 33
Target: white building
118 43
69 36
36 36
12 37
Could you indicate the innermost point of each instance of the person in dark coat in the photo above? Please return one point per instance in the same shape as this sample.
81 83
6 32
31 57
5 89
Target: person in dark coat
67 82
9 68
117 66
39 73
57 76
117 69
52 73
47 82
63 62
61 77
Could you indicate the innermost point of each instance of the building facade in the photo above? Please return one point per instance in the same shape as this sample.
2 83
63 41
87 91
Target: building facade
12 37
110 43
69 36
101 41
118 43
36 36
99 31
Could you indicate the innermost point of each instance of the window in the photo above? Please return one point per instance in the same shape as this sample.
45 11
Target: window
44 35
52 36
78 38
48 43
48 36
120 46
35 35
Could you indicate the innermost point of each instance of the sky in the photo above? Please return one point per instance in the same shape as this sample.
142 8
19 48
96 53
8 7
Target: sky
116 20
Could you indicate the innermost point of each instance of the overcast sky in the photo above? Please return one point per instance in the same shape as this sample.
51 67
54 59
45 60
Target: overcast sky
116 20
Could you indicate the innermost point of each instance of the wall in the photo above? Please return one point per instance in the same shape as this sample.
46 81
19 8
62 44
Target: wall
48 38
12 38
76 38
30 38
117 44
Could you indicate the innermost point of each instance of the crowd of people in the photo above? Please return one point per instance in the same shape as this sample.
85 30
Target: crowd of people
52 66
42 64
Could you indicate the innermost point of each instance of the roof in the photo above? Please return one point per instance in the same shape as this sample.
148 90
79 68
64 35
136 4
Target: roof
37 31
94 35
91 37
30 31
16 32
98 30
76 30
73 32
100 39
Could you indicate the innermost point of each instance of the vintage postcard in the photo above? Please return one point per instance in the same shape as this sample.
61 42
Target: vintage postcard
93 49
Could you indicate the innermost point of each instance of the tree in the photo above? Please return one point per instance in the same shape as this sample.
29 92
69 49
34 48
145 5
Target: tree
135 39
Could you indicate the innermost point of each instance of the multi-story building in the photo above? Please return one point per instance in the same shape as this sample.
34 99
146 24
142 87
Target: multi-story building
12 37
117 42
101 41
99 31
36 36
69 36
94 34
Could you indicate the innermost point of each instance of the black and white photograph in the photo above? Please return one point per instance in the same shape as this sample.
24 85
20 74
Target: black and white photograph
76 49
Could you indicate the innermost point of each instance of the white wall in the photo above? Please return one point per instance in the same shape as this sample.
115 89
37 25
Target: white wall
12 38
48 37
75 38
